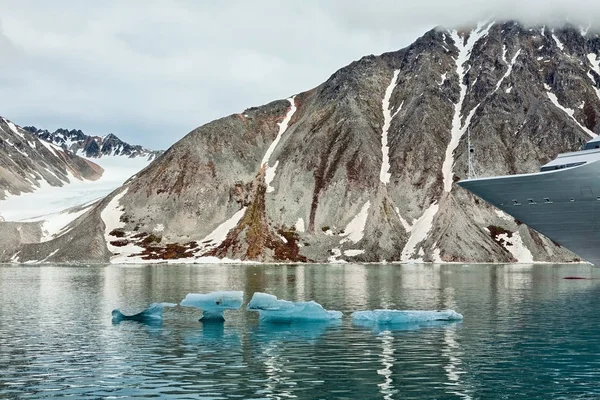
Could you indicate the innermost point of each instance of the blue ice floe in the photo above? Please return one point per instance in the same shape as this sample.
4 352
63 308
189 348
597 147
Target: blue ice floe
271 309
151 314
404 317
214 304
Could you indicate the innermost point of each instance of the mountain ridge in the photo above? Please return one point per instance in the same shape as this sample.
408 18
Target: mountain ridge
26 162
92 146
365 167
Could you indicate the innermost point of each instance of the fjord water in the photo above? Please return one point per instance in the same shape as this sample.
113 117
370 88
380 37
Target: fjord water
527 333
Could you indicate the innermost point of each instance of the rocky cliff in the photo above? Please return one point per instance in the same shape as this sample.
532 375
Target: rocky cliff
27 162
364 166
89 146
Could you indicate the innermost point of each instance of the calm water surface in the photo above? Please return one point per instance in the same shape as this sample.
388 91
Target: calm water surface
527 333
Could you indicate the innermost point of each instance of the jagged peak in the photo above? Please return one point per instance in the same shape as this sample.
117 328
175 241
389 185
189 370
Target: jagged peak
94 146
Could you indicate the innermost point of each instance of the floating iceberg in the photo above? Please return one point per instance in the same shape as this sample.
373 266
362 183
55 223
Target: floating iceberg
214 304
405 317
151 314
271 309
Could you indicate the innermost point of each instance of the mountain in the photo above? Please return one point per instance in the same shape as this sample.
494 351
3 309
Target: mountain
362 167
92 146
27 163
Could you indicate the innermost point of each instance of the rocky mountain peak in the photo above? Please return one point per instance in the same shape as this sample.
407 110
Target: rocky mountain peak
92 146
27 162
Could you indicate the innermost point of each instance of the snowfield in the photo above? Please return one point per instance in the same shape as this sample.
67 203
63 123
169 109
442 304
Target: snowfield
47 200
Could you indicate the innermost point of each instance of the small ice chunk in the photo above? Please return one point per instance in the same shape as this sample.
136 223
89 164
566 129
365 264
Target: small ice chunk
214 304
151 314
405 317
271 309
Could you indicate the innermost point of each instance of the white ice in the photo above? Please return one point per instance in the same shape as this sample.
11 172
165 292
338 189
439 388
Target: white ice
418 232
384 174
405 317
214 304
271 309
458 129
283 125
151 314
355 229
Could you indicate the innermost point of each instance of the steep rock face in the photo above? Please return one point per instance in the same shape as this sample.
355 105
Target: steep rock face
88 146
27 161
363 167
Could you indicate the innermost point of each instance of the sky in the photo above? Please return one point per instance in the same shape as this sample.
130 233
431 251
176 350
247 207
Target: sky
151 71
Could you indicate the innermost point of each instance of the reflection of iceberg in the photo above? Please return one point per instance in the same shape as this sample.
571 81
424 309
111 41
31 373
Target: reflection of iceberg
212 337
214 304
271 309
379 328
398 320
296 330
151 314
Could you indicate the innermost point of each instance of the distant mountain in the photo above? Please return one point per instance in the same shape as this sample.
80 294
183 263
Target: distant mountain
27 162
363 167
92 146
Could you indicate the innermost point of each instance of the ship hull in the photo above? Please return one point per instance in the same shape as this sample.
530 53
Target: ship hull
564 205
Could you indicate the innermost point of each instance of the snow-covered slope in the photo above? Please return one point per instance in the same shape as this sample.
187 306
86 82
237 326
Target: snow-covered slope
28 163
47 200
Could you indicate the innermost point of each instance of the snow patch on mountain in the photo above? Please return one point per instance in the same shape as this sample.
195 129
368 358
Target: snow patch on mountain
219 234
384 174
558 42
57 224
283 125
458 129
514 244
14 128
418 232
111 216
300 225
355 229
510 67
405 224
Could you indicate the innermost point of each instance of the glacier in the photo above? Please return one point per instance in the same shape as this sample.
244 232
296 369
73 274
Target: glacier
274 310
151 314
214 304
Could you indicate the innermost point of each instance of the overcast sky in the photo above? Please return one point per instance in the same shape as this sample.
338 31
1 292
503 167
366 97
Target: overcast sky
151 71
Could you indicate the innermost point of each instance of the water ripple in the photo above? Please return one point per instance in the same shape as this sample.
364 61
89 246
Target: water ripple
527 334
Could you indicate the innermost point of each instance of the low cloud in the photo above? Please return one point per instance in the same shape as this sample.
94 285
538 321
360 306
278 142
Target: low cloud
150 71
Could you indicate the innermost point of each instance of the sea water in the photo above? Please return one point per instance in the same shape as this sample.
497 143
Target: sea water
527 333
